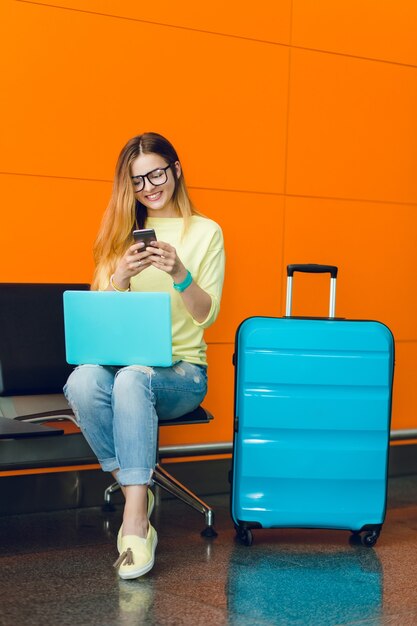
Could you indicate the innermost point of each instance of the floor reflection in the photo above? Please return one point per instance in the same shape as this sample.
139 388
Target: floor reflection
57 569
136 599
287 586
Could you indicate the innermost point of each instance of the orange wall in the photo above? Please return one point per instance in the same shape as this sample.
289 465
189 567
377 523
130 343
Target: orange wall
295 122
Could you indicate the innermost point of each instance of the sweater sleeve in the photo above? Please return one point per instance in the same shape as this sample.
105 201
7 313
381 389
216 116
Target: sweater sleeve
211 276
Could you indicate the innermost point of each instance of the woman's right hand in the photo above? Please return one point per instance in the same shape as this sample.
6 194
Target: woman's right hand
133 262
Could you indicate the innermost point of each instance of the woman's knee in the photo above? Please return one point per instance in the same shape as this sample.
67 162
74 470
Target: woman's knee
133 378
85 380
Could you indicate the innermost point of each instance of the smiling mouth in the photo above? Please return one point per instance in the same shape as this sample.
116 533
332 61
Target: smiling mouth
154 196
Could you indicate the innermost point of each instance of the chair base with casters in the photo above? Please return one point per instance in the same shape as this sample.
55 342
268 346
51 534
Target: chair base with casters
166 481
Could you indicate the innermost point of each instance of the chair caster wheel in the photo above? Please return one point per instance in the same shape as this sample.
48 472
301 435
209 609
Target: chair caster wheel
208 532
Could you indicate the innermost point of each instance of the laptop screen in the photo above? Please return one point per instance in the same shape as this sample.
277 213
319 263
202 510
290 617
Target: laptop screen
112 328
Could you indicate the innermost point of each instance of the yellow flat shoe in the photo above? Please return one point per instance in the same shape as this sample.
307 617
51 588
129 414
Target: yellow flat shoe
137 556
151 504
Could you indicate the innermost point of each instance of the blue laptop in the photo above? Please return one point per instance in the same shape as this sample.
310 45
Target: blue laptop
112 328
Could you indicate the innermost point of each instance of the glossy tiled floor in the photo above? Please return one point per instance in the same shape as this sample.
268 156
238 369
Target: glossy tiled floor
56 569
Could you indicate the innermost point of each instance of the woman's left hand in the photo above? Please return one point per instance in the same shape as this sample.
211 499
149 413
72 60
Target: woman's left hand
165 258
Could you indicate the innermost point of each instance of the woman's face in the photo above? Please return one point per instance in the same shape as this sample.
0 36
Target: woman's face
155 196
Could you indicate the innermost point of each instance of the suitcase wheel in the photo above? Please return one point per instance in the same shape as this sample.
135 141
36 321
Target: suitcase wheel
244 535
368 539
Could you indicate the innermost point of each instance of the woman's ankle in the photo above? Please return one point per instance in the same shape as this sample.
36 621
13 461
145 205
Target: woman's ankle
135 525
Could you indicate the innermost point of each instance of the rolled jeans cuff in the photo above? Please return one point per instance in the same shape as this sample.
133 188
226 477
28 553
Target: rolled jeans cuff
109 465
135 476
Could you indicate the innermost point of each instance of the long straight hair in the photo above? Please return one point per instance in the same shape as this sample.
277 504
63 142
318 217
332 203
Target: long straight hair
124 212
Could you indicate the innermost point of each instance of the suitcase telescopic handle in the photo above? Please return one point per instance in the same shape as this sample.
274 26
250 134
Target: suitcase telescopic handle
312 268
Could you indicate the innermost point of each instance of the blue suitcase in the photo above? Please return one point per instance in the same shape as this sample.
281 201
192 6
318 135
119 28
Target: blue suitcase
312 421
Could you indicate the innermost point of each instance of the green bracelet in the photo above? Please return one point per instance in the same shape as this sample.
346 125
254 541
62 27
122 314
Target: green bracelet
185 283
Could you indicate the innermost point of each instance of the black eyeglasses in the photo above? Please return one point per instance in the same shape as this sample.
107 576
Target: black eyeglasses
155 177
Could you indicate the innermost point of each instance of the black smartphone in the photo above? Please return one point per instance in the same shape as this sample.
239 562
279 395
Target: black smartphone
146 235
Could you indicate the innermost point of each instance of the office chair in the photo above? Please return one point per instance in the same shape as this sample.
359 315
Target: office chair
33 371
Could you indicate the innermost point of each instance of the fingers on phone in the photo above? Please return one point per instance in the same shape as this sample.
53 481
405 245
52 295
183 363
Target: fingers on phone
137 247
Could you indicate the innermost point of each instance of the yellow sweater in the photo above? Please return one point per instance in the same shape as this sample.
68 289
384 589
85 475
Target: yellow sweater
202 252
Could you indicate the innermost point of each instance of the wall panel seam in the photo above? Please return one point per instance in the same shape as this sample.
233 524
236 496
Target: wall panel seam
219 34
77 178
225 190
287 121
287 126
99 180
405 340
150 22
354 56
343 199
245 191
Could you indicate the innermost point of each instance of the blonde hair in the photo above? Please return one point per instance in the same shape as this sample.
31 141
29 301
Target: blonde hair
124 212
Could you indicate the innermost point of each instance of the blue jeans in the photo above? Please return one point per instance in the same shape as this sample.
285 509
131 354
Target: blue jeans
118 411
